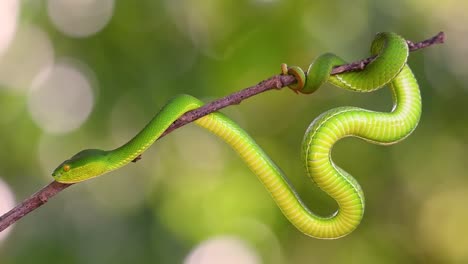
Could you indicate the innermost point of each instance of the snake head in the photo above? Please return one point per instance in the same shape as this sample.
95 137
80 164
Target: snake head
86 164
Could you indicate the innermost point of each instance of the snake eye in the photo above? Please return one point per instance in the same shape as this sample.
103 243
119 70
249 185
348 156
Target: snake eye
66 167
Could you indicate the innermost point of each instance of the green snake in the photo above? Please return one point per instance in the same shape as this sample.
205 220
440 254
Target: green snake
389 67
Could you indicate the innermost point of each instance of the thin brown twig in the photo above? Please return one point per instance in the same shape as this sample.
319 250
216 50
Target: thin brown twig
272 83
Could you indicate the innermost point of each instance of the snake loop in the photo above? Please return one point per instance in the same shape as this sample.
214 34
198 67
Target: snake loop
377 127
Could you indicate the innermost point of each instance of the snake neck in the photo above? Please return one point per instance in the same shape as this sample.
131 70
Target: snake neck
131 150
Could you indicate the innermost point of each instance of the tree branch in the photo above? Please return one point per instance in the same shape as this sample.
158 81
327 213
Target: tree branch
272 83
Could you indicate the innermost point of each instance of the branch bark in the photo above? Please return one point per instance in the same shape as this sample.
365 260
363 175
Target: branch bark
273 83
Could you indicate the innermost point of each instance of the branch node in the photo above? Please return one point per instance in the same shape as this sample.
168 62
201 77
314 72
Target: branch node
410 44
43 198
278 83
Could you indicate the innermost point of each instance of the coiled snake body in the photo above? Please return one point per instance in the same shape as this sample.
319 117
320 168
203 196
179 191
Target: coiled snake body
384 128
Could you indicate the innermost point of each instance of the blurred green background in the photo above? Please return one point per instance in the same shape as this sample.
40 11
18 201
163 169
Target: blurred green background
90 74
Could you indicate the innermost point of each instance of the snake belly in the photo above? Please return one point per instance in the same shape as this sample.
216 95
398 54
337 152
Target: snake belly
322 134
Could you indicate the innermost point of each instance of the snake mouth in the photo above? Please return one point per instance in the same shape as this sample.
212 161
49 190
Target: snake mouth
58 178
56 175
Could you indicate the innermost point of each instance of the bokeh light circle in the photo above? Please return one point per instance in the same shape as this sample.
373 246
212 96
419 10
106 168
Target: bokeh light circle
226 250
80 18
7 202
61 98
31 52
209 24
8 22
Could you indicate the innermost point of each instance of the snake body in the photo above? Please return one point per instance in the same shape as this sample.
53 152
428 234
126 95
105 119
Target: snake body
384 128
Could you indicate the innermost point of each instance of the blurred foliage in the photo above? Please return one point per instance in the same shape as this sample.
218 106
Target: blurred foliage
190 187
